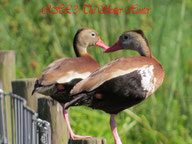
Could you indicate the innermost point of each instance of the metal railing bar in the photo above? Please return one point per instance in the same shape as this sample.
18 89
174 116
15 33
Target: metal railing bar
30 127
26 128
21 121
16 119
6 119
14 95
33 128
2 126
12 119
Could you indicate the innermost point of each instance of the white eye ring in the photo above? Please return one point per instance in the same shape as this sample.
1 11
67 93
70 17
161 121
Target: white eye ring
93 34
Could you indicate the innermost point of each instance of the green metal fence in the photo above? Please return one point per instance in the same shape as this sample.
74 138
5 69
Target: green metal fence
24 124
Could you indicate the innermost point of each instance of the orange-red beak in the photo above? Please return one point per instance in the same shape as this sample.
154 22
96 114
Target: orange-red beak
101 44
115 47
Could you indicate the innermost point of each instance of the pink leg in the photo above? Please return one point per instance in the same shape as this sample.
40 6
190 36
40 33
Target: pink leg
114 130
71 133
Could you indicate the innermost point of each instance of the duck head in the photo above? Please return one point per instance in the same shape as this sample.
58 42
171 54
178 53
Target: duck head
85 38
132 40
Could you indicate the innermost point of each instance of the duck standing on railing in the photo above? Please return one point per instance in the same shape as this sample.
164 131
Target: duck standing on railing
122 83
60 76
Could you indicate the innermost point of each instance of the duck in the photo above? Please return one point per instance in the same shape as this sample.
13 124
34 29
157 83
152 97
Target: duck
59 77
123 82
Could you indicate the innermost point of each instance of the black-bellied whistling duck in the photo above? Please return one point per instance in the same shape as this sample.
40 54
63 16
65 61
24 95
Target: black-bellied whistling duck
122 83
61 75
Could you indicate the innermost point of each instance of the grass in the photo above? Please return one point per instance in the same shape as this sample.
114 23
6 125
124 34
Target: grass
39 39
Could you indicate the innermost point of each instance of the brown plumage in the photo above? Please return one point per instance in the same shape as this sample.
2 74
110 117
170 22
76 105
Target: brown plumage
116 68
61 68
122 83
61 75
66 70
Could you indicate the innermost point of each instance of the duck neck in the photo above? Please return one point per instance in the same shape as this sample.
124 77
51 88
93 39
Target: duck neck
144 49
79 50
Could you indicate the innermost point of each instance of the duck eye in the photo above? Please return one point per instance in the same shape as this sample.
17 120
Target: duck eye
126 37
93 34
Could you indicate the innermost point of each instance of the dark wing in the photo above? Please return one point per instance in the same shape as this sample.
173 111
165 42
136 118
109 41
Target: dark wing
113 95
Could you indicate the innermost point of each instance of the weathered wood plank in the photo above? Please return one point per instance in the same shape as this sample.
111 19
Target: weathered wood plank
7 69
7 74
51 111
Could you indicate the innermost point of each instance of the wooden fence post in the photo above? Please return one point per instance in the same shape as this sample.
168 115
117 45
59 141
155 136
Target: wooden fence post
7 74
7 69
50 110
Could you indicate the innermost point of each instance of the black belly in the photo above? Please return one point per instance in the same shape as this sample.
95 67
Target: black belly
62 96
117 94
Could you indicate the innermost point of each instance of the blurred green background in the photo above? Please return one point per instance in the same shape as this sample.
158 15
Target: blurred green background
39 39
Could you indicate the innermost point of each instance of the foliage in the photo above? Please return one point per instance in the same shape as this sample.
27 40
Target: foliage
39 39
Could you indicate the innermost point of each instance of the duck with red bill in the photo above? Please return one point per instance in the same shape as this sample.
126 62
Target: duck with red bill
61 75
122 83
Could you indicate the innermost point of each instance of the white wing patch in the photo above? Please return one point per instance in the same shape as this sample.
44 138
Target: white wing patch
73 75
148 79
